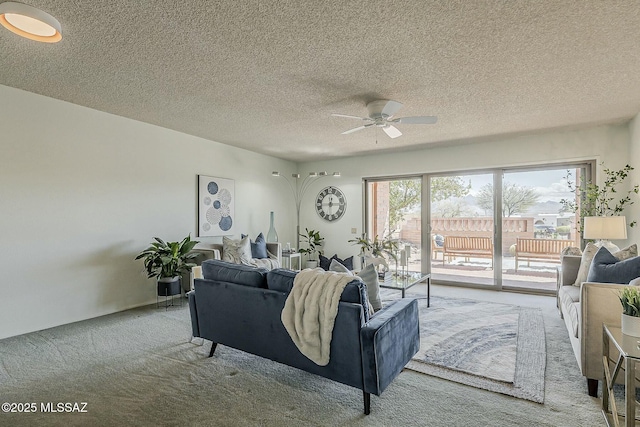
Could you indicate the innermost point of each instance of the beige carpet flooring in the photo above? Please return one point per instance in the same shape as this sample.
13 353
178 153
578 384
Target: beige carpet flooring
138 368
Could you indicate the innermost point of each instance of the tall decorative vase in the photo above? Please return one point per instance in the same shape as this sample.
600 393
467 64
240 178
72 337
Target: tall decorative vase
272 235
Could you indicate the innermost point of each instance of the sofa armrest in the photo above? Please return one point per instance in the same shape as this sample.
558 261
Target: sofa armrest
569 266
599 303
389 341
195 328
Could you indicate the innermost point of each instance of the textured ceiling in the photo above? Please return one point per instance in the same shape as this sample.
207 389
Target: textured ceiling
266 75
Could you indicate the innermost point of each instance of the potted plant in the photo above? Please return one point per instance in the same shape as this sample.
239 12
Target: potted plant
377 247
630 300
313 240
167 261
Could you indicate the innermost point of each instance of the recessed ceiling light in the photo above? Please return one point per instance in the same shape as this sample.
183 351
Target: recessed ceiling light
29 22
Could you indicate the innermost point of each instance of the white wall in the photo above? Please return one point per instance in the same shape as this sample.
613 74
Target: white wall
633 213
605 143
83 192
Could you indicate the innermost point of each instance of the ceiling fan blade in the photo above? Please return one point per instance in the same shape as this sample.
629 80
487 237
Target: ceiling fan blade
346 132
416 120
390 108
350 117
392 131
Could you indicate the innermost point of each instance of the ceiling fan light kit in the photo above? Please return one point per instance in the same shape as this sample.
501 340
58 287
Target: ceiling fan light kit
381 114
29 22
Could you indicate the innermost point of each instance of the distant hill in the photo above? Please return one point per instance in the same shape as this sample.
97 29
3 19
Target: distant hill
548 207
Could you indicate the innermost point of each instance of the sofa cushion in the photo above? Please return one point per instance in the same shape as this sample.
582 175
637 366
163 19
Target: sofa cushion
569 295
590 251
222 271
573 311
606 268
237 251
259 247
281 279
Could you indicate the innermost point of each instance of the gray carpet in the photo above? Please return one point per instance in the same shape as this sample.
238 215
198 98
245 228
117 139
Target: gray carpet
497 347
139 368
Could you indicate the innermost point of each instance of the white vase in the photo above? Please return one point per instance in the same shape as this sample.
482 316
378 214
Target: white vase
312 264
630 325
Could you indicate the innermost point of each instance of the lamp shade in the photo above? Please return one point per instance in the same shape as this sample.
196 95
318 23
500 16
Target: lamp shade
605 227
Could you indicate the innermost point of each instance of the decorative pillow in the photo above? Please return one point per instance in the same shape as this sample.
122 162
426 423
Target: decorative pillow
590 251
259 247
570 250
325 263
338 268
369 276
237 251
347 262
635 282
606 268
370 280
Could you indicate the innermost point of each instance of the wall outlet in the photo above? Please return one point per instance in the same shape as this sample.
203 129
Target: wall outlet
354 230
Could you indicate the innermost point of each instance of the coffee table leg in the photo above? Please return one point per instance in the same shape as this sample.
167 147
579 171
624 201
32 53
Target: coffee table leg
428 291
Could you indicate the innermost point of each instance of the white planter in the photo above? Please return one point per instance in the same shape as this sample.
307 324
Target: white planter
312 264
630 325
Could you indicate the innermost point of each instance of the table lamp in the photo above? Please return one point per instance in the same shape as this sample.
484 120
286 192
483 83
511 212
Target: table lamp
604 229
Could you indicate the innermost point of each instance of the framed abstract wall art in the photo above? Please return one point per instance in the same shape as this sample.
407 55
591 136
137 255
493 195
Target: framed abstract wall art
216 206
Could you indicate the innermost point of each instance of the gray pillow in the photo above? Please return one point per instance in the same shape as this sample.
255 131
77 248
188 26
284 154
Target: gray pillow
237 251
370 278
336 266
606 268
570 250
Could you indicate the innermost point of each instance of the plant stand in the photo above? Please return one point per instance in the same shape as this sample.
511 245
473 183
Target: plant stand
168 289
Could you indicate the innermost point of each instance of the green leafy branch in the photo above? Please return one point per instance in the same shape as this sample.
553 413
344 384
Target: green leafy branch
604 200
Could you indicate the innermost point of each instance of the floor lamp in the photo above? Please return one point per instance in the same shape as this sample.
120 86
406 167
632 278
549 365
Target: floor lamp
299 186
604 229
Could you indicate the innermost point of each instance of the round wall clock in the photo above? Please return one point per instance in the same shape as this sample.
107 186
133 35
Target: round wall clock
331 204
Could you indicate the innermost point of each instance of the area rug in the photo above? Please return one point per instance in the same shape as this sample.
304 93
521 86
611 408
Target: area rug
496 347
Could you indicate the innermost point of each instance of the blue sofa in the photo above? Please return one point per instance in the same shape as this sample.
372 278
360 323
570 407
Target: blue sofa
240 307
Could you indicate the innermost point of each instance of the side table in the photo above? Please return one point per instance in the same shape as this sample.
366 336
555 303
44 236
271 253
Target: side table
288 257
628 348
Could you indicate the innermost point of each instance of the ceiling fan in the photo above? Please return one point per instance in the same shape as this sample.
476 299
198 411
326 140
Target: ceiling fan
381 115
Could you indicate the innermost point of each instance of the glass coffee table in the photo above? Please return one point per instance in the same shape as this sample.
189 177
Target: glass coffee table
403 281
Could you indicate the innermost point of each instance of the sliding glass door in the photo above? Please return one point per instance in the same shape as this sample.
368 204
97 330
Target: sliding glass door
535 228
499 228
394 220
462 232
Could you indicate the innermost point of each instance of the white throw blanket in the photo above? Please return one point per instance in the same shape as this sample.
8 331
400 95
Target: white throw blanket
310 311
